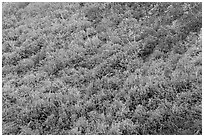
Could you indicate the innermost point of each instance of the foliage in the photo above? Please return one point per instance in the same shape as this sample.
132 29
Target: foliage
102 68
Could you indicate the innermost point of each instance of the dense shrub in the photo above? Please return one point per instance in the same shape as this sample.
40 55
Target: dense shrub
118 68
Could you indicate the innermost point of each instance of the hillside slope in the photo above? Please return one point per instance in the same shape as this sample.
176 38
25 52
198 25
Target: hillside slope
102 68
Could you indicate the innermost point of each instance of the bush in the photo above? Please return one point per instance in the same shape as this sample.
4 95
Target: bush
102 68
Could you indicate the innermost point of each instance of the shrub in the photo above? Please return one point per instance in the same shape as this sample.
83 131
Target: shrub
101 68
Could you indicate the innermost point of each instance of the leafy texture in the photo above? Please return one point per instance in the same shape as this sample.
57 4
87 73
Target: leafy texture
102 68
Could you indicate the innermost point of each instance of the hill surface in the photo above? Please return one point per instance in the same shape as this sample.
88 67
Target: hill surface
102 68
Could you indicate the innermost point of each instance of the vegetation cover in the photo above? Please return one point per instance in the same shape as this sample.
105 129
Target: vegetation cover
102 68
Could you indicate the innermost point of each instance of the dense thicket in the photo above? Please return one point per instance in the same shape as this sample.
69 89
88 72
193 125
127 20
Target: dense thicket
101 68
